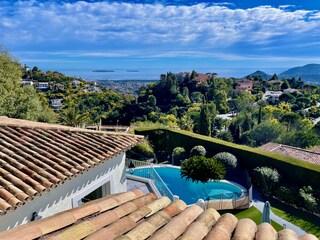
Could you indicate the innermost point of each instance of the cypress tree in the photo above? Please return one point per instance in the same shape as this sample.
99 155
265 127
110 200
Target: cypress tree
205 121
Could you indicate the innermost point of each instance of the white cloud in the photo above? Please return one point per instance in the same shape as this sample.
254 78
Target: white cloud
123 25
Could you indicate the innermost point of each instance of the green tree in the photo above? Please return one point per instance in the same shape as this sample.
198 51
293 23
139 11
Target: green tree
267 131
274 77
202 169
301 139
72 117
186 123
17 101
225 135
205 121
287 97
152 100
261 104
285 85
289 119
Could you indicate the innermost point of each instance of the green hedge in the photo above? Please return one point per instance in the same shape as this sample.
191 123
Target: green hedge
292 170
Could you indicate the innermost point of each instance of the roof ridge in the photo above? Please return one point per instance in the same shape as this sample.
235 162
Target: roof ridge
297 148
28 124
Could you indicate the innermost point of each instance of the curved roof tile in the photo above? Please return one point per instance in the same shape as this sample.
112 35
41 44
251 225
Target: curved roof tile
36 157
133 216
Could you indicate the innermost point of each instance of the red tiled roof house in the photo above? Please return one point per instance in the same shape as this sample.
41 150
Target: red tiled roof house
46 169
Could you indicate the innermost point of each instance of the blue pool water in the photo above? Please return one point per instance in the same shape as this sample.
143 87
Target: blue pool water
190 191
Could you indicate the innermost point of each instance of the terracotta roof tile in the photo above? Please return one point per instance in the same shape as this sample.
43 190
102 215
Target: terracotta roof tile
35 157
128 218
294 152
287 234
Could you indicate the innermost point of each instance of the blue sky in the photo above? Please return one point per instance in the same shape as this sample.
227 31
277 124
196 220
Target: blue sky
162 34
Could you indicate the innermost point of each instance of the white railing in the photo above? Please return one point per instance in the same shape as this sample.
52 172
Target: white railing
146 170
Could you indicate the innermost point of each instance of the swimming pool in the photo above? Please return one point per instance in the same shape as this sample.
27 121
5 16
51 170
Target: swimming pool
190 191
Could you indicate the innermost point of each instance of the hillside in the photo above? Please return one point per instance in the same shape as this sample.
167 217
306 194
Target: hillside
308 73
262 74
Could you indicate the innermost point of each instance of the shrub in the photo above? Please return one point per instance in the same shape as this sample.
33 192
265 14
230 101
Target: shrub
266 178
228 159
142 150
286 194
225 135
198 151
202 169
178 154
309 201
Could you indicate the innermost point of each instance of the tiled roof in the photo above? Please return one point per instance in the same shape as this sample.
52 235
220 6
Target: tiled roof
202 78
35 157
134 216
294 152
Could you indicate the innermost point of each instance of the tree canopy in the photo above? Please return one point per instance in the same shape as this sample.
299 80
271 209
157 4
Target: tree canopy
17 101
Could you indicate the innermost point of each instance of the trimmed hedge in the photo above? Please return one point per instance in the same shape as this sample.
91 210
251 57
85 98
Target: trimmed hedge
292 170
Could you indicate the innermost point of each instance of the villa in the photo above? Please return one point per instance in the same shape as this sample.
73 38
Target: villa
244 85
42 85
56 103
272 96
46 169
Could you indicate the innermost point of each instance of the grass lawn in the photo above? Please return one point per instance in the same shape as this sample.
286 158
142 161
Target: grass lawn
254 214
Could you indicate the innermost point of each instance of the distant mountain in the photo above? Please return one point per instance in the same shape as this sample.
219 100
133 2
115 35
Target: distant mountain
262 74
307 73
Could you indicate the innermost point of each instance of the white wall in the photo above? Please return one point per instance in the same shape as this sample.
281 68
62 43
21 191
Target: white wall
66 195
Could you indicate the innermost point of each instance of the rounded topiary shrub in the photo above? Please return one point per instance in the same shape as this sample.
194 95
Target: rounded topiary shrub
228 159
202 169
178 154
198 151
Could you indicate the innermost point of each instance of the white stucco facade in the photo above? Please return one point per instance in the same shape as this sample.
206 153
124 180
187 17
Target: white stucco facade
110 175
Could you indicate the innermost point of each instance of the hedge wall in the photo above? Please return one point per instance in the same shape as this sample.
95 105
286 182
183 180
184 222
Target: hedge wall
292 170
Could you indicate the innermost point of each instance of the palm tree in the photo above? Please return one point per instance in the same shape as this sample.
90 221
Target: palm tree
72 117
202 169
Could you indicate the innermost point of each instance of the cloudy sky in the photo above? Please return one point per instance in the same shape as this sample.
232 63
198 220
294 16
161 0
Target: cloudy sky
162 34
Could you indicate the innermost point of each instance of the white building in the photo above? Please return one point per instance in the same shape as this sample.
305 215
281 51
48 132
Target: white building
272 96
56 103
75 83
46 169
42 85
27 83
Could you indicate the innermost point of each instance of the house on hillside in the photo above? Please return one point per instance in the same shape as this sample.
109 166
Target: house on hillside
272 96
56 103
27 83
244 85
42 86
294 152
46 169
75 83
203 78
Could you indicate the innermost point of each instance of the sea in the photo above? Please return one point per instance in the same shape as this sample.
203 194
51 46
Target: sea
154 74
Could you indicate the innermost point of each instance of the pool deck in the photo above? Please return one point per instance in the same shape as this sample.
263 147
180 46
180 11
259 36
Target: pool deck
134 184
